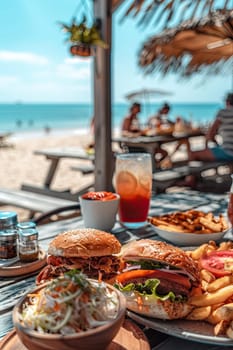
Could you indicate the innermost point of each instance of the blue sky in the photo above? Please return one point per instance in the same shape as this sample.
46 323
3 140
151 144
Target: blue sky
35 64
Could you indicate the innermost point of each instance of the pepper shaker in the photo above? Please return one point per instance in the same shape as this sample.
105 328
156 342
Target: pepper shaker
8 244
8 235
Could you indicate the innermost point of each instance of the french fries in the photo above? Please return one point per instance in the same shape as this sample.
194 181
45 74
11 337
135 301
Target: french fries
191 221
214 304
219 283
199 313
219 296
207 276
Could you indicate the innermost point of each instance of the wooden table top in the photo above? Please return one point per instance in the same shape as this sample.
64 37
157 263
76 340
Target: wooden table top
12 288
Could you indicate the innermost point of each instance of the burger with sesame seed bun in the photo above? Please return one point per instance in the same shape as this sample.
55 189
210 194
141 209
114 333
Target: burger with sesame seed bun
89 250
157 279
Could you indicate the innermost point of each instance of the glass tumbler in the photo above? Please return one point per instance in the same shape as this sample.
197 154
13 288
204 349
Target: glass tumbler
133 181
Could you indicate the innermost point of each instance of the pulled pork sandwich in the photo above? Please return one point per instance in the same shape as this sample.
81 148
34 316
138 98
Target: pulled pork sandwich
88 250
157 279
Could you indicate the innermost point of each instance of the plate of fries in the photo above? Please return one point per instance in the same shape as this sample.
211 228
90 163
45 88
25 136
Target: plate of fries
211 319
192 227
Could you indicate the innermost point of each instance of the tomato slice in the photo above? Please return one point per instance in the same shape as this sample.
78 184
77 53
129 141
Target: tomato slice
219 263
137 274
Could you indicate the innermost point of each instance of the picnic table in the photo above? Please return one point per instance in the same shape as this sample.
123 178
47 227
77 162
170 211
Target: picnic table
55 155
12 288
151 143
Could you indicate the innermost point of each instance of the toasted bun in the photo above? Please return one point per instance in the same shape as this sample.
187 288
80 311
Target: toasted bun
152 307
84 243
160 251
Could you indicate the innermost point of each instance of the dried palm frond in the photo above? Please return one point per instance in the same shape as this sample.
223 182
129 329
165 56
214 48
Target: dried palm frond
147 9
193 46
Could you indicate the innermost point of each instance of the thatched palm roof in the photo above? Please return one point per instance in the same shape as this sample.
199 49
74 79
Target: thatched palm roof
166 10
193 45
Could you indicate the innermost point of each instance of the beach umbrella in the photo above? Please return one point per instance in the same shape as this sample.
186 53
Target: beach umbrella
196 45
146 95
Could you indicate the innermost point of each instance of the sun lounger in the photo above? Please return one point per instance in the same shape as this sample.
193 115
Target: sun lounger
33 202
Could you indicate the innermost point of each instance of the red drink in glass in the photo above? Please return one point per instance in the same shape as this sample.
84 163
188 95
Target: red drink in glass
133 184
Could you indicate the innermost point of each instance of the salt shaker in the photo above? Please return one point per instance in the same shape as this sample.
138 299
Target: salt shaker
8 220
28 241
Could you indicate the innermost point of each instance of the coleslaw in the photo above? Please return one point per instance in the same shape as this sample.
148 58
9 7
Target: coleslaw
70 304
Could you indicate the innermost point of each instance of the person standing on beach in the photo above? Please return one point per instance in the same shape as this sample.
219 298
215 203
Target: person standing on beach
222 126
131 122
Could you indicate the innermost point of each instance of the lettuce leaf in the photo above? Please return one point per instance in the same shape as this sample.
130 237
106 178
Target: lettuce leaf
152 265
148 289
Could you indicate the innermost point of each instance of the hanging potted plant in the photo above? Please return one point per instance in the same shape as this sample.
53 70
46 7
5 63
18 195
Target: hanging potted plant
83 38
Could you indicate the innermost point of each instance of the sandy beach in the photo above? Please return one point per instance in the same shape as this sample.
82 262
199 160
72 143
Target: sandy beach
20 165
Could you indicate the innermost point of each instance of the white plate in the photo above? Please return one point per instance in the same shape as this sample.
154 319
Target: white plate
184 239
198 331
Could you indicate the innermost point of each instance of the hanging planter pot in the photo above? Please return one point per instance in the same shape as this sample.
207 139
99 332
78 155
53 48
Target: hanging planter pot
81 49
83 38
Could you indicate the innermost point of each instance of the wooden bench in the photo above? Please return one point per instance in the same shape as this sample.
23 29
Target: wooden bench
212 176
163 179
203 172
84 169
197 167
33 202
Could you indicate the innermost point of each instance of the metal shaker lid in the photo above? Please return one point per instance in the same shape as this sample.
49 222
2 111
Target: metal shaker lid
26 225
30 234
8 219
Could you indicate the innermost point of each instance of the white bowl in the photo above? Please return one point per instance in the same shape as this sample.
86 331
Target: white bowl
99 214
186 239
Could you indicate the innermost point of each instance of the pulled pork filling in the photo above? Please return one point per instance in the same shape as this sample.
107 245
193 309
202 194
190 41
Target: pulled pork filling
106 266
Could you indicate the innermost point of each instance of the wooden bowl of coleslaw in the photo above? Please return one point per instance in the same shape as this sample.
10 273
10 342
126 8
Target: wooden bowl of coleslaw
60 315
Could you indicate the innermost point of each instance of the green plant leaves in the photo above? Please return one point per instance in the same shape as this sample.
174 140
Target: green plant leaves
81 33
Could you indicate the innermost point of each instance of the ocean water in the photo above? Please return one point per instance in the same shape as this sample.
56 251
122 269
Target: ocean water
21 117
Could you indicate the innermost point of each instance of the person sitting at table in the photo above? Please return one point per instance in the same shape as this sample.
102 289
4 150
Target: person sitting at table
131 122
131 127
161 117
220 151
222 126
155 122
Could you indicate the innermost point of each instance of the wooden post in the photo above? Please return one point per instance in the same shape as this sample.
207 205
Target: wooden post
102 100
